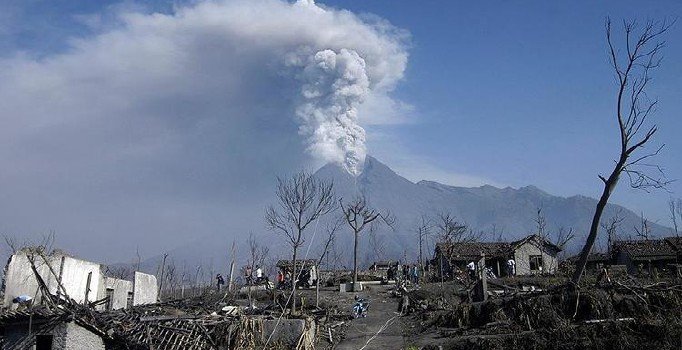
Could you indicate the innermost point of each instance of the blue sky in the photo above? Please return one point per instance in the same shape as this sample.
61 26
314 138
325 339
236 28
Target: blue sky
507 93
522 93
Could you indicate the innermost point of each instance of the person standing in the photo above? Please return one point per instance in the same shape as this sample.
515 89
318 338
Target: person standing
280 280
259 274
312 279
248 275
220 281
511 267
471 267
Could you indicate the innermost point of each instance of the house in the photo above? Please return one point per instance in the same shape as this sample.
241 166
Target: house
65 276
647 256
532 255
42 328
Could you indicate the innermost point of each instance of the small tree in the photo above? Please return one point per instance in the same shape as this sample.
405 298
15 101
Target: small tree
423 230
331 230
358 215
611 227
632 68
450 232
301 200
257 255
644 230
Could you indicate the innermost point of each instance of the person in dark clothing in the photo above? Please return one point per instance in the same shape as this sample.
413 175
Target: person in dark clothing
220 281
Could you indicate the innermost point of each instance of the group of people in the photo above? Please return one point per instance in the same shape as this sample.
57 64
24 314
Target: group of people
307 278
249 277
510 269
405 272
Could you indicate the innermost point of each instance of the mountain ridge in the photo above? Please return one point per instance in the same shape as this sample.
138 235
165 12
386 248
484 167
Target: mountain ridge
506 212
482 208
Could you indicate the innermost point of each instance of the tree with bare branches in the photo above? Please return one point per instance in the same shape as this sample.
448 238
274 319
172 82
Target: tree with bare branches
644 229
257 255
611 227
451 231
358 214
331 229
632 67
423 230
301 200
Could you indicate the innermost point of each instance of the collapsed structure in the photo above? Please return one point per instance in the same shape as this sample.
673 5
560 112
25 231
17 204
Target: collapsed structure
81 280
69 303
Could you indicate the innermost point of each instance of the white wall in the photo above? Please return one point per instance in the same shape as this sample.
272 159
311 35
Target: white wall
121 289
522 258
20 279
145 289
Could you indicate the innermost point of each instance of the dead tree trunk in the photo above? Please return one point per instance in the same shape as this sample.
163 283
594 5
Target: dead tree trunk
632 110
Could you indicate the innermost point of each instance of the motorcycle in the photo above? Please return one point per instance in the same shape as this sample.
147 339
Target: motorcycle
360 307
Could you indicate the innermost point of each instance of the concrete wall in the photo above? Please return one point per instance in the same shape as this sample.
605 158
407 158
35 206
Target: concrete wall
121 289
522 258
78 338
66 336
289 331
145 288
20 279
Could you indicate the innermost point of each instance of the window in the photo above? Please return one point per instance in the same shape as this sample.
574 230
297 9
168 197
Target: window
535 262
129 302
44 342
110 298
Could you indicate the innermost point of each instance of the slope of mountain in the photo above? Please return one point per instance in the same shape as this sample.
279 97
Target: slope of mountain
482 208
510 210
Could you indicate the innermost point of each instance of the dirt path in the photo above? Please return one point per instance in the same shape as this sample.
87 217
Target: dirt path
381 329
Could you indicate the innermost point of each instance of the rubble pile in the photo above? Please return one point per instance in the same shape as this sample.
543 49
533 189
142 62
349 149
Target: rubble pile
622 314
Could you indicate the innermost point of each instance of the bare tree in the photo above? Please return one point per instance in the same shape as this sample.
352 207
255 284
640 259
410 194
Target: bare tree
611 227
331 229
358 215
632 68
451 231
376 243
541 225
301 200
423 230
644 230
257 252
160 271
563 237
257 255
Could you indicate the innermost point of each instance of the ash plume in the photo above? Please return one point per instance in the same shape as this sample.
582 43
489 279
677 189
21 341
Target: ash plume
335 84
164 113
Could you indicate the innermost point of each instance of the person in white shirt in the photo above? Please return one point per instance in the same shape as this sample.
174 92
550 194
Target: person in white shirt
259 274
471 266
511 267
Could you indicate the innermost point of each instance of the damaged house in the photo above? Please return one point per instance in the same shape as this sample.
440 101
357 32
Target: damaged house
647 256
83 281
532 255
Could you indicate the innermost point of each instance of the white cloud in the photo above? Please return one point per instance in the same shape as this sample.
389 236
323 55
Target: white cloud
162 123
